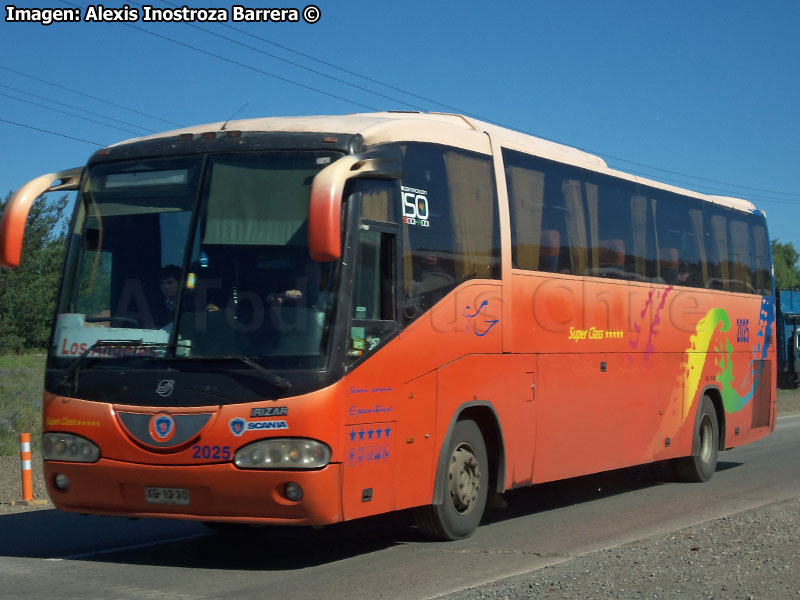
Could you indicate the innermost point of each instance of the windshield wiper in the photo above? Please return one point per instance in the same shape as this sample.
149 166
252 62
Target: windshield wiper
276 380
73 370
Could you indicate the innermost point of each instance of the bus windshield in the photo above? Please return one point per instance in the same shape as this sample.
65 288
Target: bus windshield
201 256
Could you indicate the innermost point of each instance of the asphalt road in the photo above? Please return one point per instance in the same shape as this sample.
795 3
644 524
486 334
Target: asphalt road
45 554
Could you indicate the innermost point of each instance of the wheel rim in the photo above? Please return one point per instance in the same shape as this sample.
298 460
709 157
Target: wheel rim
465 478
706 439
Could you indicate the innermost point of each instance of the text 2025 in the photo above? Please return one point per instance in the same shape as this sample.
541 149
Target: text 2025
212 452
742 330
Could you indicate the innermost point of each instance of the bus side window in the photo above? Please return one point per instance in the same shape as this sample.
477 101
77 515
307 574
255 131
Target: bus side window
373 313
762 274
449 230
741 256
373 296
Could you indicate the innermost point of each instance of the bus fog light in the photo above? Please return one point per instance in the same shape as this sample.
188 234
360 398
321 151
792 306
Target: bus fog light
61 481
283 453
293 491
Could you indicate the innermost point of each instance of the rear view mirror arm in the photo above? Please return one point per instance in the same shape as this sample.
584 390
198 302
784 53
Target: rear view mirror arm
15 215
327 191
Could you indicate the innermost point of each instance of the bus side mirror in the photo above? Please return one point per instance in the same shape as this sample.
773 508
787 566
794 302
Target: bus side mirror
327 191
12 227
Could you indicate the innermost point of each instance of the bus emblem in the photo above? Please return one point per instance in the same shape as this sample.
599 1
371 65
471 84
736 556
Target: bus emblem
237 426
162 427
165 387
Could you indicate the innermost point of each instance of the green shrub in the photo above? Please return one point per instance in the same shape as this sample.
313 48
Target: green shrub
21 384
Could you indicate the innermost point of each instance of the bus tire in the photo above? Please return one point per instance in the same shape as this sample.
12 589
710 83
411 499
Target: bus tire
700 466
465 482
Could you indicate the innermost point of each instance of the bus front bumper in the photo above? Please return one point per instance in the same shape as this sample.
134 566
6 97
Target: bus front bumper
215 492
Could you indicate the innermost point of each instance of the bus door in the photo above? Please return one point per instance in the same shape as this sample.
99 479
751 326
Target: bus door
373 389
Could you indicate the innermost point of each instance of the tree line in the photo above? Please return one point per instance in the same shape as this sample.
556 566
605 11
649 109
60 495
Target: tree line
28 293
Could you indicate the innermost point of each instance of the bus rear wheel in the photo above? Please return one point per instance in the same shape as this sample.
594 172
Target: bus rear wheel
700 466
464 481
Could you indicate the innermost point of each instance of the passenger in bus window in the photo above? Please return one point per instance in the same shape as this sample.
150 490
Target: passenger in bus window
306 289
287 296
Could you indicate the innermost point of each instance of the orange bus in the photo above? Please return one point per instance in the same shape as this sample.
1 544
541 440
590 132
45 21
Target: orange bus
315 319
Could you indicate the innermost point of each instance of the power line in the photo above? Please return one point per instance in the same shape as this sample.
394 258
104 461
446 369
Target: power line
69 137
455 109
63 112
239 64
250 67
703 189
289 62
458 110
72 107
139 112
744 187
342 69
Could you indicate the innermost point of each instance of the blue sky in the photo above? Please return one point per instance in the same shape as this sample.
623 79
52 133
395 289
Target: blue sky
706 91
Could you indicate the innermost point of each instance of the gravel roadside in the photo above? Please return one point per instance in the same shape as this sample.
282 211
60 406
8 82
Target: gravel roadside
750 555
11 484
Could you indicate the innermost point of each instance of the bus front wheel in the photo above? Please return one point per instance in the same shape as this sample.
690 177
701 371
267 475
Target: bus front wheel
465 484
700 466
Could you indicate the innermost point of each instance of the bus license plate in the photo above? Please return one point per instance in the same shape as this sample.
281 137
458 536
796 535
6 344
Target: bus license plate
160 495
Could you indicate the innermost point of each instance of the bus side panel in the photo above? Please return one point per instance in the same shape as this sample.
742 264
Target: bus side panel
416 445
368 475
726 341
596 413
554 313
397 387
505 382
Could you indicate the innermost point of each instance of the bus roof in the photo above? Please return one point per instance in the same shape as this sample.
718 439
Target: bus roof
442 128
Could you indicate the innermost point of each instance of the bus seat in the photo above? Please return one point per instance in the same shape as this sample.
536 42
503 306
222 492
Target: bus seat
668 264
611 258
549 250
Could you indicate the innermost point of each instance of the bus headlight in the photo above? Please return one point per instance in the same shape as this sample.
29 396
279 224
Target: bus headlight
66 447
283 453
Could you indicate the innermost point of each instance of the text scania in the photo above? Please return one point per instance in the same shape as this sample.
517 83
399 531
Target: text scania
43 16
258 425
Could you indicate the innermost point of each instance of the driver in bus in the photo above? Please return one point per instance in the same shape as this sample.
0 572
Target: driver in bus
169 281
